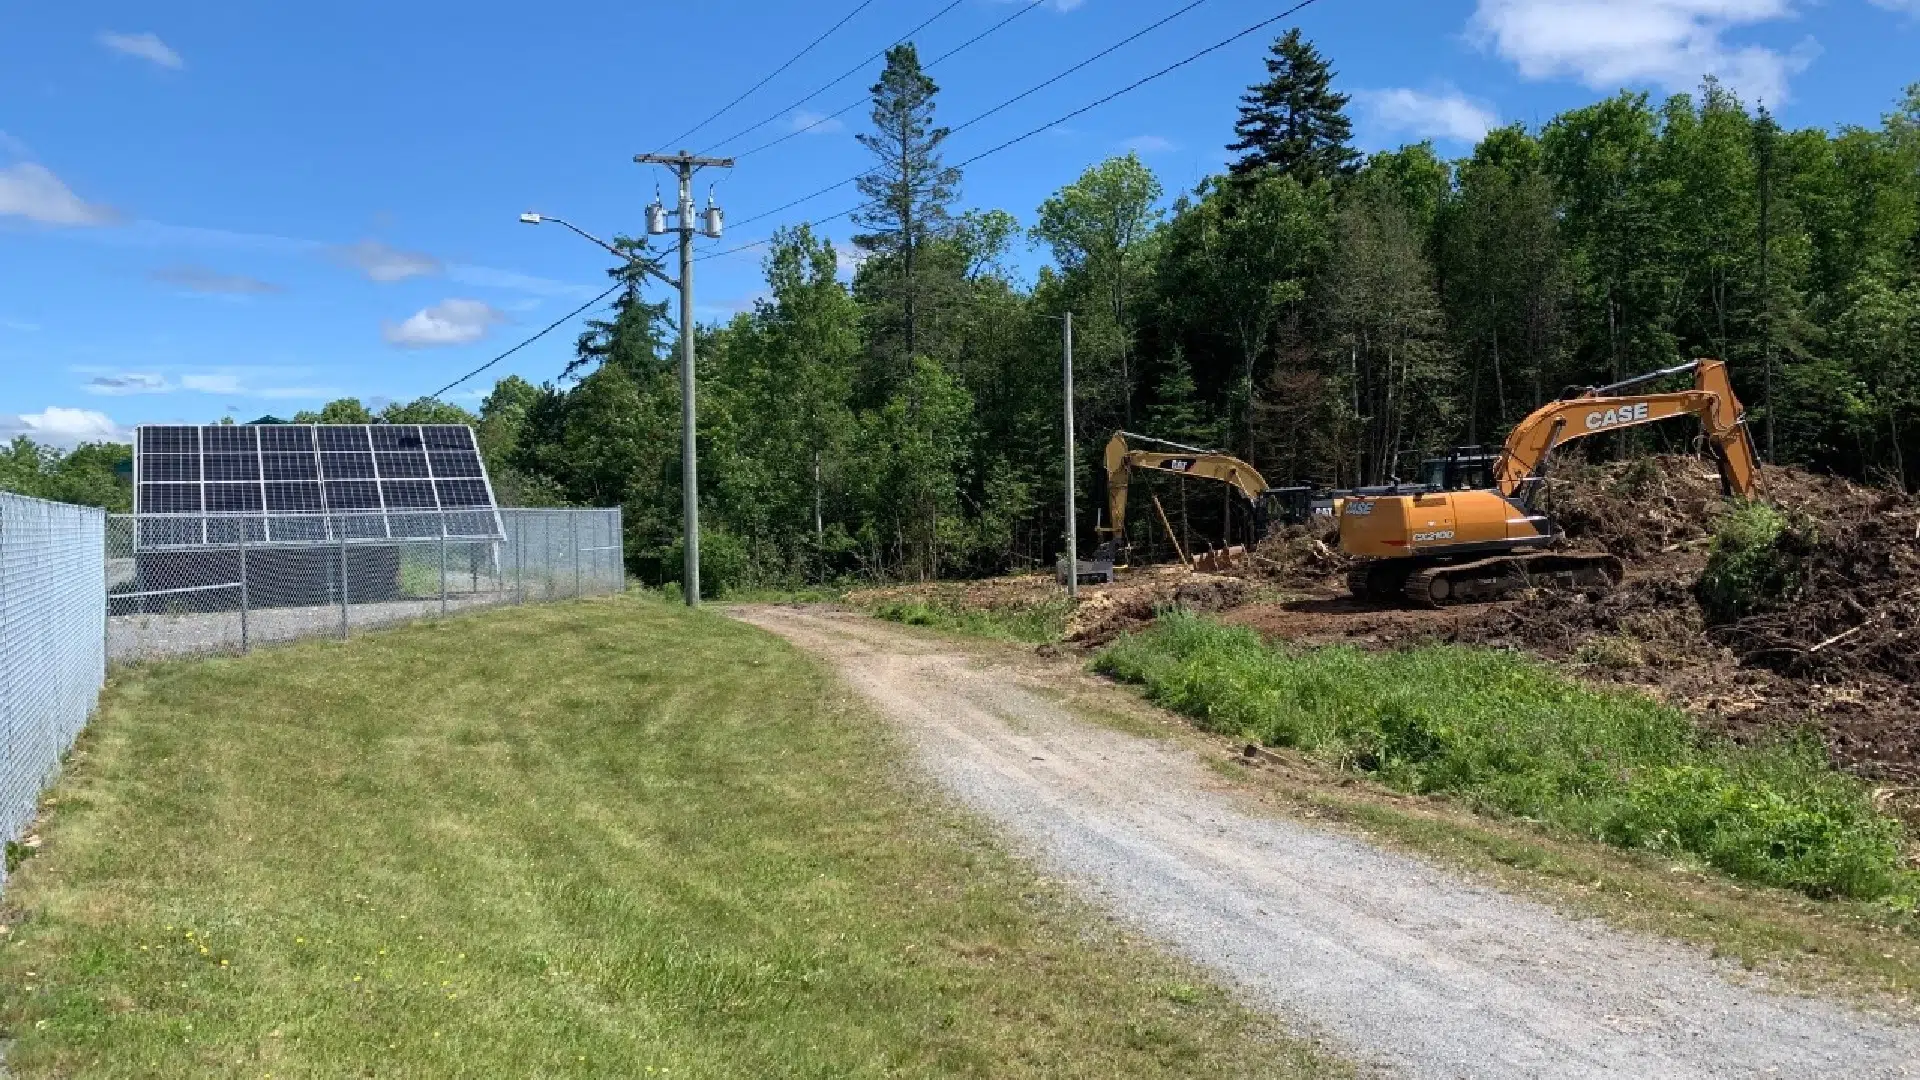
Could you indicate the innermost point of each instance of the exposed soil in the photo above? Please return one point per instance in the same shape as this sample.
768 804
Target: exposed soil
1840 657
1400 964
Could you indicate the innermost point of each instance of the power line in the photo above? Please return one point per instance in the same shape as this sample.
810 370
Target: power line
842 77
857 102
1024 136
1029 92
844 19
552 326
1128 40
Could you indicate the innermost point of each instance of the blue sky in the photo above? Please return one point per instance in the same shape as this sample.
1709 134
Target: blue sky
233 208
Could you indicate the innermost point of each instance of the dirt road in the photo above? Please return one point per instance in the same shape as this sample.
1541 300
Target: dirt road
1396 962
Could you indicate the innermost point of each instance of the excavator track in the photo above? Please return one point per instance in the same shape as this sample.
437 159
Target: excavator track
1501 575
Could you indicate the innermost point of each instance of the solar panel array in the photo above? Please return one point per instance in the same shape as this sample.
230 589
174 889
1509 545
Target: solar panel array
310 483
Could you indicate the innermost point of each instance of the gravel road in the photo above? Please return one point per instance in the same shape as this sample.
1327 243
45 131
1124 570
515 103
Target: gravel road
1399 963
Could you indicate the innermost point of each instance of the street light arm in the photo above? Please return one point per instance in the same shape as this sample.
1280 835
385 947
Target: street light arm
643 264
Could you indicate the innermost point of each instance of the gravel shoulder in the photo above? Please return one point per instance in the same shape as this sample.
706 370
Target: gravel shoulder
1398 963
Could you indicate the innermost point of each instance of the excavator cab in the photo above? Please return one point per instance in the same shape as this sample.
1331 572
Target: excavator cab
1464 468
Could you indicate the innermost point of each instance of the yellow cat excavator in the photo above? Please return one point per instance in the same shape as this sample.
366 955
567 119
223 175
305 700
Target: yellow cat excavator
1267 505
1435 546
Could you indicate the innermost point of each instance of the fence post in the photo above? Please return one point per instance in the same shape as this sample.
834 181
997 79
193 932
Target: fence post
343 584
520 558
244 643
443 573
574 519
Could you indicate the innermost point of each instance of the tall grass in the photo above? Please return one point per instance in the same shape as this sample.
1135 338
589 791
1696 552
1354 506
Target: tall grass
1035 624
1507 735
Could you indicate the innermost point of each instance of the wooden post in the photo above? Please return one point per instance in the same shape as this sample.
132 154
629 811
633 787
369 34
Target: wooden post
1168 525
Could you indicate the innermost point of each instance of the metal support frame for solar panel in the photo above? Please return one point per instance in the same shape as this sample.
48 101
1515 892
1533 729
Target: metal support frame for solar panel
309 484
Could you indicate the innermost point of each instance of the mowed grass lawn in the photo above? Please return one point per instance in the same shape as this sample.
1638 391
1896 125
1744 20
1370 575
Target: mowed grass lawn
608 838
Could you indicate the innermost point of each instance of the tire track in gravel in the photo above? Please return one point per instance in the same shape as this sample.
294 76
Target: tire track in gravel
1400 964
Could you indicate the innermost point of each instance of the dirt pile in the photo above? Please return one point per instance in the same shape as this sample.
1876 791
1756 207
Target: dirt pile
1107 611
1637 510
1856 611
1299 556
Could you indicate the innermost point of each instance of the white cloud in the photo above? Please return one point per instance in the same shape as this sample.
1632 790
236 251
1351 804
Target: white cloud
222 385
120 384
146 46
199 279
450 322
487 277
233 383
57 426
1911 7
848 259
382 262
13 147
1446 115
1671 44
31 191
19 325
1149 144
813 123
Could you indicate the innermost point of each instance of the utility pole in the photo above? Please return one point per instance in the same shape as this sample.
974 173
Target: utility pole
1766 290
1073 537
684 165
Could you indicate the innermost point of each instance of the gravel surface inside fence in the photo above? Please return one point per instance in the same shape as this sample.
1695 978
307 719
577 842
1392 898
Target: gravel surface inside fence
149 637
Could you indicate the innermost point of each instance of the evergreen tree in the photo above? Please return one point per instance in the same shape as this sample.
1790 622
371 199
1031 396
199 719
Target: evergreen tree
908 189
1293 122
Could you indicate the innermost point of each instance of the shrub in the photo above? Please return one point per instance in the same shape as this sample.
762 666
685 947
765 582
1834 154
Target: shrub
1506 734
725 564
1756 563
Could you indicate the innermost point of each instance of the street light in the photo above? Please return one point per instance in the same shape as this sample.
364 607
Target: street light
689 470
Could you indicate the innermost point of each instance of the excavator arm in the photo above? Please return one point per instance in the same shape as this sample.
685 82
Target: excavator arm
1122 459
1605 409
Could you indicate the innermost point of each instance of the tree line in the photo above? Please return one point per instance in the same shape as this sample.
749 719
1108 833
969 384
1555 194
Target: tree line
1327 315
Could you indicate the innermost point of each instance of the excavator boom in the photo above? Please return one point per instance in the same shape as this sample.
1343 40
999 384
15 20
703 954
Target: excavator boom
1122 459
1603 409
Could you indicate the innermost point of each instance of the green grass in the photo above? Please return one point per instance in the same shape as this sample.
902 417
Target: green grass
1507 735
600 839
1034 624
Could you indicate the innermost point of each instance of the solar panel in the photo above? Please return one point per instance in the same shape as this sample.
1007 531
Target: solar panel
310 483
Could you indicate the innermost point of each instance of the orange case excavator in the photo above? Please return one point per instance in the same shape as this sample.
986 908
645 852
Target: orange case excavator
1436 547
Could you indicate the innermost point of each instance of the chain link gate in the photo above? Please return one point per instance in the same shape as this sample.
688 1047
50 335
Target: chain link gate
52 644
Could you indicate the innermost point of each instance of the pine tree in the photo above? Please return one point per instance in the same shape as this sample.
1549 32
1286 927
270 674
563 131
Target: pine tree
1294 122
909 190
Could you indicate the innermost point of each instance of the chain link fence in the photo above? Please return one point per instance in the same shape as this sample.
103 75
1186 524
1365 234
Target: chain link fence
179 585
52 638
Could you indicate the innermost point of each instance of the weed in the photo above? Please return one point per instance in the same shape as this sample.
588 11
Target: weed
1033 624
1756 562
1507 735
1616 652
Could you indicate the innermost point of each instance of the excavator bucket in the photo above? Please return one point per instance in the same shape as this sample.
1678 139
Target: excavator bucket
1220 561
